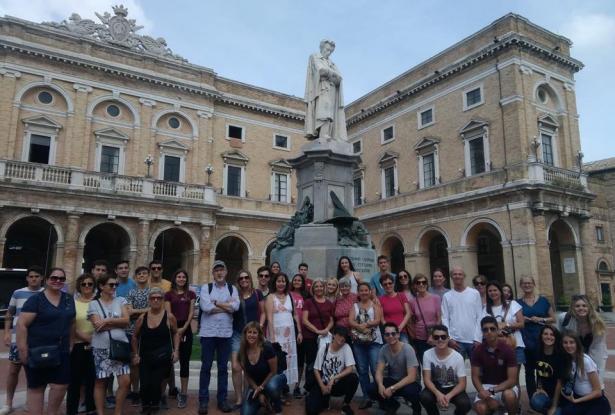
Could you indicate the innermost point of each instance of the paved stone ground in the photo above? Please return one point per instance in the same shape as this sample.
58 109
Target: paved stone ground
295 406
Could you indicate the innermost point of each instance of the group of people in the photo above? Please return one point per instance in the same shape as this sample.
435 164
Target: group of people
395 336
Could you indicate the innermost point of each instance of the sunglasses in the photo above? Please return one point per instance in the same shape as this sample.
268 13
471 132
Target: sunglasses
489 329
402 276
421 283
477 283
33 276
437 337
386 284
57 278
263 275
156 268
243 278
155 298
112 284
390 334
87 284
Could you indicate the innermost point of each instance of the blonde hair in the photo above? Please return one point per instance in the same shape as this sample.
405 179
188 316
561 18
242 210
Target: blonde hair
337 287
595 321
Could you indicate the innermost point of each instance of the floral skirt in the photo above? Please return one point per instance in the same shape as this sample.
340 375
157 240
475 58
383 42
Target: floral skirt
106 367
285 335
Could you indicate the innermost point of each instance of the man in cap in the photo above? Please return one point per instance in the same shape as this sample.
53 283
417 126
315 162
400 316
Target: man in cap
218 301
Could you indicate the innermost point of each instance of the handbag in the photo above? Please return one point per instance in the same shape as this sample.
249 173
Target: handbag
363 337
506 334
118 350
44 357
427 328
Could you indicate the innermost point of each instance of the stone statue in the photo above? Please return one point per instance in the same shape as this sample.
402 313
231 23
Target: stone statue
286 235
325 118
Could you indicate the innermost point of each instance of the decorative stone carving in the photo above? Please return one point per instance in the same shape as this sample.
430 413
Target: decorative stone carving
286 235
117 30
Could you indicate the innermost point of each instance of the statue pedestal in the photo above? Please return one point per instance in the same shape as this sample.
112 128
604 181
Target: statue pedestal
322 168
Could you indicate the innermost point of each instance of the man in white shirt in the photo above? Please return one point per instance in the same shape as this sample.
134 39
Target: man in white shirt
334 373
462 310
218 301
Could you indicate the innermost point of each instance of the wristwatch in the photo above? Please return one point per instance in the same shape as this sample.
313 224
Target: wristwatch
491 391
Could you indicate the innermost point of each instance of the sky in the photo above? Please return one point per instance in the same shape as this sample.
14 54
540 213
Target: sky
266 43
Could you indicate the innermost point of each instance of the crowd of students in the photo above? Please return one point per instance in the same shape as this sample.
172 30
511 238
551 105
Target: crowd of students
397 337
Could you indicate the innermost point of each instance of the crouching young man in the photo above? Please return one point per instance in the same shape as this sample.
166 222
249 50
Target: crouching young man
444 374
334 373
494 372
402 379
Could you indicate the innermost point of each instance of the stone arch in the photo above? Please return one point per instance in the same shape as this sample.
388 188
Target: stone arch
110 240
558 101
89 227
433 243
392 245
155 234
603 264
30 240
576 239
234 251
6 225
269 246
565 261
193 125
176 248
477 221
69 102
109 97
485 237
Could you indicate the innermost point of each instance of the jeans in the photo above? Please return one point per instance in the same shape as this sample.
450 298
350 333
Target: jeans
461 401
272 391
219 347
409 393
421 346
82 372
466 349
366 356
316 402
598 406
541 402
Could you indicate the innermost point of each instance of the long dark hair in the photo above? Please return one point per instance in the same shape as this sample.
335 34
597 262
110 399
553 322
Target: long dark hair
557 346
272 283
302 291
174 282
398 287
340 273
101 281
490 301
577 357
243 344
271 274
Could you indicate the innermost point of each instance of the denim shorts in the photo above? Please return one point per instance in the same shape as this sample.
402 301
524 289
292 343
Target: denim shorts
520 354
14 354
235 341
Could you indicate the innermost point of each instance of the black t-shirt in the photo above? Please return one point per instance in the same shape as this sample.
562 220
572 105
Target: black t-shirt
260 370
549 368
52 324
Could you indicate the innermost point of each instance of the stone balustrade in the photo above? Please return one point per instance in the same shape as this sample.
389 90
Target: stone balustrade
76 179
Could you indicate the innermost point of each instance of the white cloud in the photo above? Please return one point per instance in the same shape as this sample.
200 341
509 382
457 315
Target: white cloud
591 30
58 10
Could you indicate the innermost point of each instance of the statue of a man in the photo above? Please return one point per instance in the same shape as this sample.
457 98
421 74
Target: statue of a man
325 116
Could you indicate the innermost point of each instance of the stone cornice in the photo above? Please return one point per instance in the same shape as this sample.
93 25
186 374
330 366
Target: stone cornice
503 43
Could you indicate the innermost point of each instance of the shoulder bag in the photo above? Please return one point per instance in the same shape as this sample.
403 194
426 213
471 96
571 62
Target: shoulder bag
363 337
118 350
507 333
46 357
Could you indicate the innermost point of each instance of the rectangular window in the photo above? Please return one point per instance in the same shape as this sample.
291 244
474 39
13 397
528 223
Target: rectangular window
388 134
235 132
389 181
358 191
233 181
546 142
599 234
426 117
477 156
280 187
356 147
171 168
281 141
110 159
429 170
39 149
473 97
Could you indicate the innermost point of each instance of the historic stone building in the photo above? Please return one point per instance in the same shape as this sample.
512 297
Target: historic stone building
112 146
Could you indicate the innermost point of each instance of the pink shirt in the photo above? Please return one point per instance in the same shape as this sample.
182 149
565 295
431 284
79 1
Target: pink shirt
298 302
342 309
430 308
393 309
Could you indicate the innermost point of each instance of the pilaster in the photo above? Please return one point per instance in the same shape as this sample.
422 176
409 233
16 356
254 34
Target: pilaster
71 248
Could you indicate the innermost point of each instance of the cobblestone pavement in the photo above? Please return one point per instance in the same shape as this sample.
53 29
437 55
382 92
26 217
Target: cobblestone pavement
295 406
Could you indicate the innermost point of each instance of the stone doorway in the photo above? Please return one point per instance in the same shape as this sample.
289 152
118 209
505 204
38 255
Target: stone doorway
564 264
234 252
107 241
175 249
394 249
30 241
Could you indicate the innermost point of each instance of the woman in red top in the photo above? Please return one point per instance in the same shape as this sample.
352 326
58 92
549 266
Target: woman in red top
395 307
343 304
180 302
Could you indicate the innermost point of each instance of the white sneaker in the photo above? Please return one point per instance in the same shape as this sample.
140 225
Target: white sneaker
5 410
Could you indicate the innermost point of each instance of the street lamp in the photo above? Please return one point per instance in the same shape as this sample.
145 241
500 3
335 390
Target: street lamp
209 170
149 160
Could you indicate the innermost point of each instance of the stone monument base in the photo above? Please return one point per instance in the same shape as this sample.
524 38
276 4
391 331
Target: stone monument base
317 246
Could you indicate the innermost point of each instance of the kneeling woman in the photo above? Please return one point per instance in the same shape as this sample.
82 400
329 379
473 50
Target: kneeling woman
582 393
259 363
154 349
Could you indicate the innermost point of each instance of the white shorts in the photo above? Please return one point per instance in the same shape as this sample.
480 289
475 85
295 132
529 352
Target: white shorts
498 395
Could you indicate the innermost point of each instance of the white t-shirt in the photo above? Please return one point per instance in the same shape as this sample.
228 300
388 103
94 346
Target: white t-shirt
445 373
461 313
511 318
334 362
582 385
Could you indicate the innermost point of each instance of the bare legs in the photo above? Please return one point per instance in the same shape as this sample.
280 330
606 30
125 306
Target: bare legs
237 378
36 398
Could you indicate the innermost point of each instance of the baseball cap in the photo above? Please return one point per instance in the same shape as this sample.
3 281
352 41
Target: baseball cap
218 263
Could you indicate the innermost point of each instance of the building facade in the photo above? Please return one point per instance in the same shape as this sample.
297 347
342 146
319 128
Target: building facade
112 146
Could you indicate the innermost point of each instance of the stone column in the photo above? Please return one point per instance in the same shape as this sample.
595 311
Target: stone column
9 115
143 242
71 252
544 280
588 280
144 145
205 259
202 152
2 244
77 151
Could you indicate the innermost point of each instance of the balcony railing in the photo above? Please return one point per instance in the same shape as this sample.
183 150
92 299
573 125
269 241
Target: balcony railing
77 179
557 176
